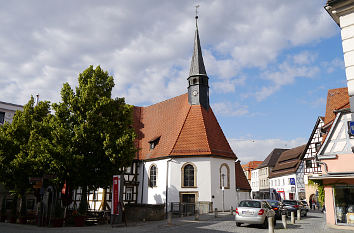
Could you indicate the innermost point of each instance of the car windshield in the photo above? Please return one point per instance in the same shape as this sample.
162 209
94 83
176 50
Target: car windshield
289 202
251 204
273 203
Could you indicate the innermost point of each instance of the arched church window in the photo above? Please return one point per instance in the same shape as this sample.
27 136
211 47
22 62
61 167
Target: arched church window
189 175
152 175
224 176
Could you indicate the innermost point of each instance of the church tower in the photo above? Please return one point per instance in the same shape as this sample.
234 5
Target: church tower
198 88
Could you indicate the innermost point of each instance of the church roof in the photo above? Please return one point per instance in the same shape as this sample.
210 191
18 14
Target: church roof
180 129
241 179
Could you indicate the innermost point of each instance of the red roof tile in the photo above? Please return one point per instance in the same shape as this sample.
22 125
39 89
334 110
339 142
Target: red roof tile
336 99
183 130
241 180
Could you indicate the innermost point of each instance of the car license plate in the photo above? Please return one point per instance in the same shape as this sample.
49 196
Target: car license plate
247 212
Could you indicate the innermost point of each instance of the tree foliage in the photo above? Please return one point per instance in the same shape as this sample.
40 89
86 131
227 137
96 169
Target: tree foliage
19 159
93 130
87 139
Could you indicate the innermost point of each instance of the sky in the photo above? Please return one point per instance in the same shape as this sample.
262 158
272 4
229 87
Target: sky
270 63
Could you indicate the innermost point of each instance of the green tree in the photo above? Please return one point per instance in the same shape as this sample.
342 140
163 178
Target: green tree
93 132
17 160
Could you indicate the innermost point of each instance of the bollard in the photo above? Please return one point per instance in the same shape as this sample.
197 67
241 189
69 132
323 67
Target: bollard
169 218
216 213
231 210
298 215
292 217
271 224
196 216
283 219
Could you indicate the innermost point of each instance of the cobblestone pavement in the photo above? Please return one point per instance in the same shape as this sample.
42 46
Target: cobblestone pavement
315 222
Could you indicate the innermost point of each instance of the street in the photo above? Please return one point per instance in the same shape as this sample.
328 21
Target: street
315 222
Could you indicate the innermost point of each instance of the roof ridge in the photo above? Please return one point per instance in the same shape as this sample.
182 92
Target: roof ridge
180 130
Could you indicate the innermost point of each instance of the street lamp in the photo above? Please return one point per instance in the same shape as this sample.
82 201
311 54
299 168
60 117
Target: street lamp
223 189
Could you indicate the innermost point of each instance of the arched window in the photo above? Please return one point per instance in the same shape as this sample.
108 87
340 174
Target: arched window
224 176
188 175
152 175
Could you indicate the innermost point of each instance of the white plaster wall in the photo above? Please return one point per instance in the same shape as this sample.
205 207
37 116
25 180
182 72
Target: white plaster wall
255 180
156 195
207 181
203 186
347 26
9 110
216 191
278 184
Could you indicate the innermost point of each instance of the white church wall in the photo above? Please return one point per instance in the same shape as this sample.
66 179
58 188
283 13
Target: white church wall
202 188
230 198
155 195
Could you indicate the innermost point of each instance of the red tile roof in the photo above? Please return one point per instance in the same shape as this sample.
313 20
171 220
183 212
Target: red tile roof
336 99
183 129
241 180
250 166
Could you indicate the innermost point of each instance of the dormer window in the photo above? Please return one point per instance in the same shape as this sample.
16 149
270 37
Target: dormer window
154 142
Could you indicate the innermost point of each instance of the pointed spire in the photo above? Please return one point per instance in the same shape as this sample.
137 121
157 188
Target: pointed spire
197 65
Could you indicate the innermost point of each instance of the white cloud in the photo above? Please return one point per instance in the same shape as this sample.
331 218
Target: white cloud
297 66
146 45
333 65
230 109
248 149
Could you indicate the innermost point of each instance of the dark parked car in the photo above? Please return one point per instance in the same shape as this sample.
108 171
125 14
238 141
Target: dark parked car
276 207
295 206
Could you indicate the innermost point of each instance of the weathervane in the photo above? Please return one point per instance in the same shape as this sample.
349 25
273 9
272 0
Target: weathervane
196 15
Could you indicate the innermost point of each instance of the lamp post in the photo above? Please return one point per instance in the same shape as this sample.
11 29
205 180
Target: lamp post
223 189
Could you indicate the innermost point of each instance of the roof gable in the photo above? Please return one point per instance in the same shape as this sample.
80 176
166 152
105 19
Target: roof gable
337 140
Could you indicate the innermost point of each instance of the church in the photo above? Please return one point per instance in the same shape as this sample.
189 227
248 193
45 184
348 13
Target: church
183 155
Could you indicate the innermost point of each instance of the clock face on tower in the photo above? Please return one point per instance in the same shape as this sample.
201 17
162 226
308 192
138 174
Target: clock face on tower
195 93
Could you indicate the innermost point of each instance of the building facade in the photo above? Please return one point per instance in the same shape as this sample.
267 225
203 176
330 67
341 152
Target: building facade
287 176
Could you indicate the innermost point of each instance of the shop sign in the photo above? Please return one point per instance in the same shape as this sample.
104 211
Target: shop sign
116 189
292 181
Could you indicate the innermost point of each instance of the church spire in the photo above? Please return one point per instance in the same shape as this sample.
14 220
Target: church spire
198 89
197 65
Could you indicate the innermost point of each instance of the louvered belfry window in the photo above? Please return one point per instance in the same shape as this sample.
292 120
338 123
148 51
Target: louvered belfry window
188 176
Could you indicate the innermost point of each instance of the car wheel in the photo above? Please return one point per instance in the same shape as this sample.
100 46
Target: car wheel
238 224
265 223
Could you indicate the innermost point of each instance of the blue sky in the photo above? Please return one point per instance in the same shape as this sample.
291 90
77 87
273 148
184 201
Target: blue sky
270 63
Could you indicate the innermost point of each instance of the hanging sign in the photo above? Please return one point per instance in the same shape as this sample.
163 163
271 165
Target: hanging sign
115 194
351 128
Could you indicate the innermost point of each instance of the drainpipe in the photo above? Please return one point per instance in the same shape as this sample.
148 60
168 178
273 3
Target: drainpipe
168 162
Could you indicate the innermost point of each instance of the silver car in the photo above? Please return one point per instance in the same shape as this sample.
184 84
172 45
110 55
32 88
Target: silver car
253 212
